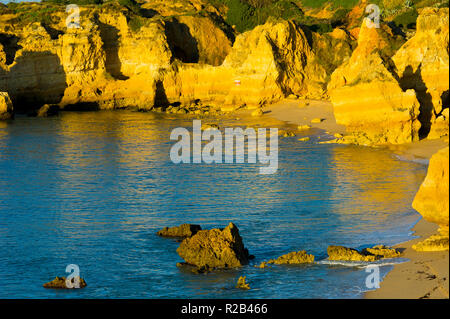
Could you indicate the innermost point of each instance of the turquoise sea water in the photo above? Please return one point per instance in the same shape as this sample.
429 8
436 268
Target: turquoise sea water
93 188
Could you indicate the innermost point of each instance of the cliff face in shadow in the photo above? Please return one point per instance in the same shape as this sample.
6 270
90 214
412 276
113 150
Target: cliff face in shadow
35 78
423 65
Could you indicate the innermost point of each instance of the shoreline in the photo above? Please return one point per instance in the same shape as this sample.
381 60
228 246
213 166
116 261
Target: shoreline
426 274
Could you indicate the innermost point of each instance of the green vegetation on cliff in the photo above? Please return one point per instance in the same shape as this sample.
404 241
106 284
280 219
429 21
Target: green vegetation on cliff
319 15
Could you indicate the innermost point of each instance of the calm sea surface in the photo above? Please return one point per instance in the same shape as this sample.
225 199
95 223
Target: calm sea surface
93 188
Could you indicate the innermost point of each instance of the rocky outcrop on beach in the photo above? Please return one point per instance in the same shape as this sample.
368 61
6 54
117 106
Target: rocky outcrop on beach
368 254
45 110
293 258
60 283
348 254
382 251
215 248
6 107
432 201
422 64
182 231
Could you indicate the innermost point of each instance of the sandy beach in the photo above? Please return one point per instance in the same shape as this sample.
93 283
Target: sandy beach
425 275
296 112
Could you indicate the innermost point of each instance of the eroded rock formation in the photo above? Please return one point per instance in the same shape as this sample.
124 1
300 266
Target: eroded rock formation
432 201
104 63
184 230
215 248
367 97
423 65
242 284
348 254
386 96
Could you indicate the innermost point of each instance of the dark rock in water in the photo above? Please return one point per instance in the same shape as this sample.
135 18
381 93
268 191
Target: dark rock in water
242 284
48 110
60 283
194 269
182 231
215 248
293 258
382 251
45 111
349 254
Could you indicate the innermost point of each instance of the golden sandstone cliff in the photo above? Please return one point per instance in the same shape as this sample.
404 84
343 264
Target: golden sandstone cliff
367 97
106 63
432 201
422 64
395 98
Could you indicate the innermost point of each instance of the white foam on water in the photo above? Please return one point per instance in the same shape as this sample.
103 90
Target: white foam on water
363 264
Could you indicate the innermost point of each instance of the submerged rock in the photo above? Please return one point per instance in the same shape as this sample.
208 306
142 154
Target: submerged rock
60 283
215 248
45 111
241 284
367 254
194 269
292 258
6 106
184 230
262 265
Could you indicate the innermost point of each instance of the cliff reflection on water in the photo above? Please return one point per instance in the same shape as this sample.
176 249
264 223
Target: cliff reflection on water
93 188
